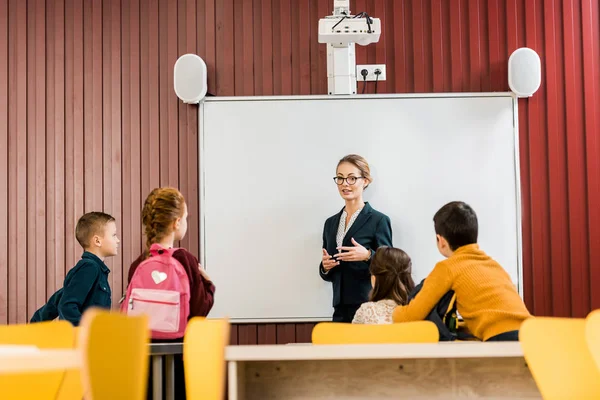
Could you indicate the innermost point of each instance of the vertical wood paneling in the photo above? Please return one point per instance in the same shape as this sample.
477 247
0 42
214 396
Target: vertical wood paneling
244 47
4 235
559 237
132 195
437 46
38 172
590 12
247 334
539 183
225 73
206 38
93 141
89 119
55 155
190 138
169 141
74 163
318 52
286 333
577 202
17 161
267 334
111 95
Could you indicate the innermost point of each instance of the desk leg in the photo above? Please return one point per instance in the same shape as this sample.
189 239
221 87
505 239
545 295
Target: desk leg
236 380
157 364
170 376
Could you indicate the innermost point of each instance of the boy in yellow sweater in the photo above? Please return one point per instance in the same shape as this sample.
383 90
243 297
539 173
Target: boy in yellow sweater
486 297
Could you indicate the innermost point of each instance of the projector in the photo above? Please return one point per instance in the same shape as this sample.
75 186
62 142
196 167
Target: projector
340 31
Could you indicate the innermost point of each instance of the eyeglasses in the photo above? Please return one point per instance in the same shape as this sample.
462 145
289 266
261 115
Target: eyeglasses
351 180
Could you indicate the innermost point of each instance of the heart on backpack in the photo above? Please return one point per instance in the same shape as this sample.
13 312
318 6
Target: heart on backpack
158 277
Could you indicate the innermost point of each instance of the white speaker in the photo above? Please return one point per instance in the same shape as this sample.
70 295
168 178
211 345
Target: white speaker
189 78
524 72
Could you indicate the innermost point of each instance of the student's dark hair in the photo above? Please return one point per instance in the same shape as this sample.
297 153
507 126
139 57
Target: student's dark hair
90 224
392 269
360 163
457 223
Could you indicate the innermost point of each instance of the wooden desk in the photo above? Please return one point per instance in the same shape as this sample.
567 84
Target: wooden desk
14 362
412 371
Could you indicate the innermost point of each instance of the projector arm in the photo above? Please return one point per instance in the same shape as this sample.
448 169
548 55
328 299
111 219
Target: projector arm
341 8
341 31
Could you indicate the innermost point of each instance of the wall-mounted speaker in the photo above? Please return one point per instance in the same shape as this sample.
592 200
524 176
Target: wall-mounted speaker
524 72
189 78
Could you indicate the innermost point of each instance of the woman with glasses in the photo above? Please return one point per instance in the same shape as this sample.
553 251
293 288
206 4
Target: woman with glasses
350 238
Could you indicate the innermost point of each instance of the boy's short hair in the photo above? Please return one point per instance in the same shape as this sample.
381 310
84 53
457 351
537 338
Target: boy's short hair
457 223
90 224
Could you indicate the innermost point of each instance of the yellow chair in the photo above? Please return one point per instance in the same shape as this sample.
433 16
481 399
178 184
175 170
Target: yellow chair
45 335
204 358
592 334
406 332
558 358
71 387
115 355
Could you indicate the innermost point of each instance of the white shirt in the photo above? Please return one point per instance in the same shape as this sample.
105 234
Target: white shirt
375 312
343 228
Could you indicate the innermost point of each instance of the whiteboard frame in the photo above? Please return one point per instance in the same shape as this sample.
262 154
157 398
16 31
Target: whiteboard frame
517 167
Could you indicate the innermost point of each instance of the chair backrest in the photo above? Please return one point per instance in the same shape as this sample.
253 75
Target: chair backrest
406 332
71 387
592 334
558 357
204 358
45 335
115 355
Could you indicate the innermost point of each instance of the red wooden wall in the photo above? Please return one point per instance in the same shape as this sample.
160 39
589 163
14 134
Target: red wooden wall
89 120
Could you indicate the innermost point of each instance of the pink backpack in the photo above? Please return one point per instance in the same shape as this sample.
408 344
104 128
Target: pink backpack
160 288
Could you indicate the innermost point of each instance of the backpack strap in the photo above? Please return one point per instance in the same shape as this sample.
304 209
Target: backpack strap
156 249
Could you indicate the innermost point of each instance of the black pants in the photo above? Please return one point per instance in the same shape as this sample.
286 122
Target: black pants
345 313
512 336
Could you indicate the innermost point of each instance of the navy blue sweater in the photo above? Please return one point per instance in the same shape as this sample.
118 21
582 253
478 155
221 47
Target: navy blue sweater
86 285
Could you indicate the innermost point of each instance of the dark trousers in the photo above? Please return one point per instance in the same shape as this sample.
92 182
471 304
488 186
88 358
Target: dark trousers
345 313
512 336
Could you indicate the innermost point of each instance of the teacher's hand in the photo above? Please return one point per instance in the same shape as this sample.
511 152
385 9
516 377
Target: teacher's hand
353 253
328 261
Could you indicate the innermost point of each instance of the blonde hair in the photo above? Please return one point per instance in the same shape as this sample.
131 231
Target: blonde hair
161 209
90 224
360 163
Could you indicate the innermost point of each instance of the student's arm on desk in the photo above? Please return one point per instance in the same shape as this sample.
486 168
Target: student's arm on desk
438 283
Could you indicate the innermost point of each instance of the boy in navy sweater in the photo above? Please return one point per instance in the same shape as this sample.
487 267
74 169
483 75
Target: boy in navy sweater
86 284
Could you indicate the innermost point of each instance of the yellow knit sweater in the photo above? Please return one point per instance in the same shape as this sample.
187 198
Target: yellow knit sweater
486 297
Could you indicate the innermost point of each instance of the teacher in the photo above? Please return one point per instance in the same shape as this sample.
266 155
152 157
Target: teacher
350 238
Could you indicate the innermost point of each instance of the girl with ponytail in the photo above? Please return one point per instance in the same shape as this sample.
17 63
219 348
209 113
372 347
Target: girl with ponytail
392 282
164 217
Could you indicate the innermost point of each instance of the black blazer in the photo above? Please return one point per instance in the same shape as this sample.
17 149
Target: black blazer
351 279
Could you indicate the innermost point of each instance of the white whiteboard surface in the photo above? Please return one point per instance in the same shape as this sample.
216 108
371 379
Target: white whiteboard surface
266 188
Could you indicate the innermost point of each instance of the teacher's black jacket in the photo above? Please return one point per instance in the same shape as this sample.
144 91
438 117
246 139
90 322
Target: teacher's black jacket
351 279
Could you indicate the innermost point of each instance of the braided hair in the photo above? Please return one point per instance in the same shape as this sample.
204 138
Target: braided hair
161 209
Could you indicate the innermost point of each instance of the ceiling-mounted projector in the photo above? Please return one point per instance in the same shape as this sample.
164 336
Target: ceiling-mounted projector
362 30
341 31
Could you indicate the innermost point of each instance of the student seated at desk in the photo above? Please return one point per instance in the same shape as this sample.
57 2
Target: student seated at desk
486 297
392 282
